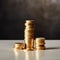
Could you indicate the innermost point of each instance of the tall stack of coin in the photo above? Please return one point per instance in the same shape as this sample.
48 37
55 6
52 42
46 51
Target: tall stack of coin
40 43
29 34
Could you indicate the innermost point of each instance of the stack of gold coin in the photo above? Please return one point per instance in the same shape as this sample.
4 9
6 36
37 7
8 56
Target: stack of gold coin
40 43
19 46
29 34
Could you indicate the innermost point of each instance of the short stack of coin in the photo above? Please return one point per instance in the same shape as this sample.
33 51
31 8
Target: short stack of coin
29 34
40 43
19 46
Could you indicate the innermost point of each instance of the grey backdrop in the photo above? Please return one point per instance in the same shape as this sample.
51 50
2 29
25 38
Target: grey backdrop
13 14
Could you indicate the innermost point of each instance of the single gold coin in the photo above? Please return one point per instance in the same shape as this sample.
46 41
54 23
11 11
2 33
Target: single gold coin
29 36
37 44
29 49
40 48
29 21
29 26
40 40
29 31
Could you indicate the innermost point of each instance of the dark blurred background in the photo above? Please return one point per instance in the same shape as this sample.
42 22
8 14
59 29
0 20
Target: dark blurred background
14 13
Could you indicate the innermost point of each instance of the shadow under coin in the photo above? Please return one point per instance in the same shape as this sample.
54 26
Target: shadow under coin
50 48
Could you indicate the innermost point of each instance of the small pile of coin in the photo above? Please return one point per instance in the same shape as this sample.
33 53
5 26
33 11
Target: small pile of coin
29 34
19 46
40 43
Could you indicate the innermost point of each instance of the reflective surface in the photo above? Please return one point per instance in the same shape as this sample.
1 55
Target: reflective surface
7 52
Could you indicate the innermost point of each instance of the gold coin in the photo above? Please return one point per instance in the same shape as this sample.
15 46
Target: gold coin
29 21
28 36
40 48
29 31
30 49
40 40
40 43
29 26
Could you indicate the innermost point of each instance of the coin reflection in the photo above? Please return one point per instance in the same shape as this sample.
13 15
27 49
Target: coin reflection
16 54
29 55
39 55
